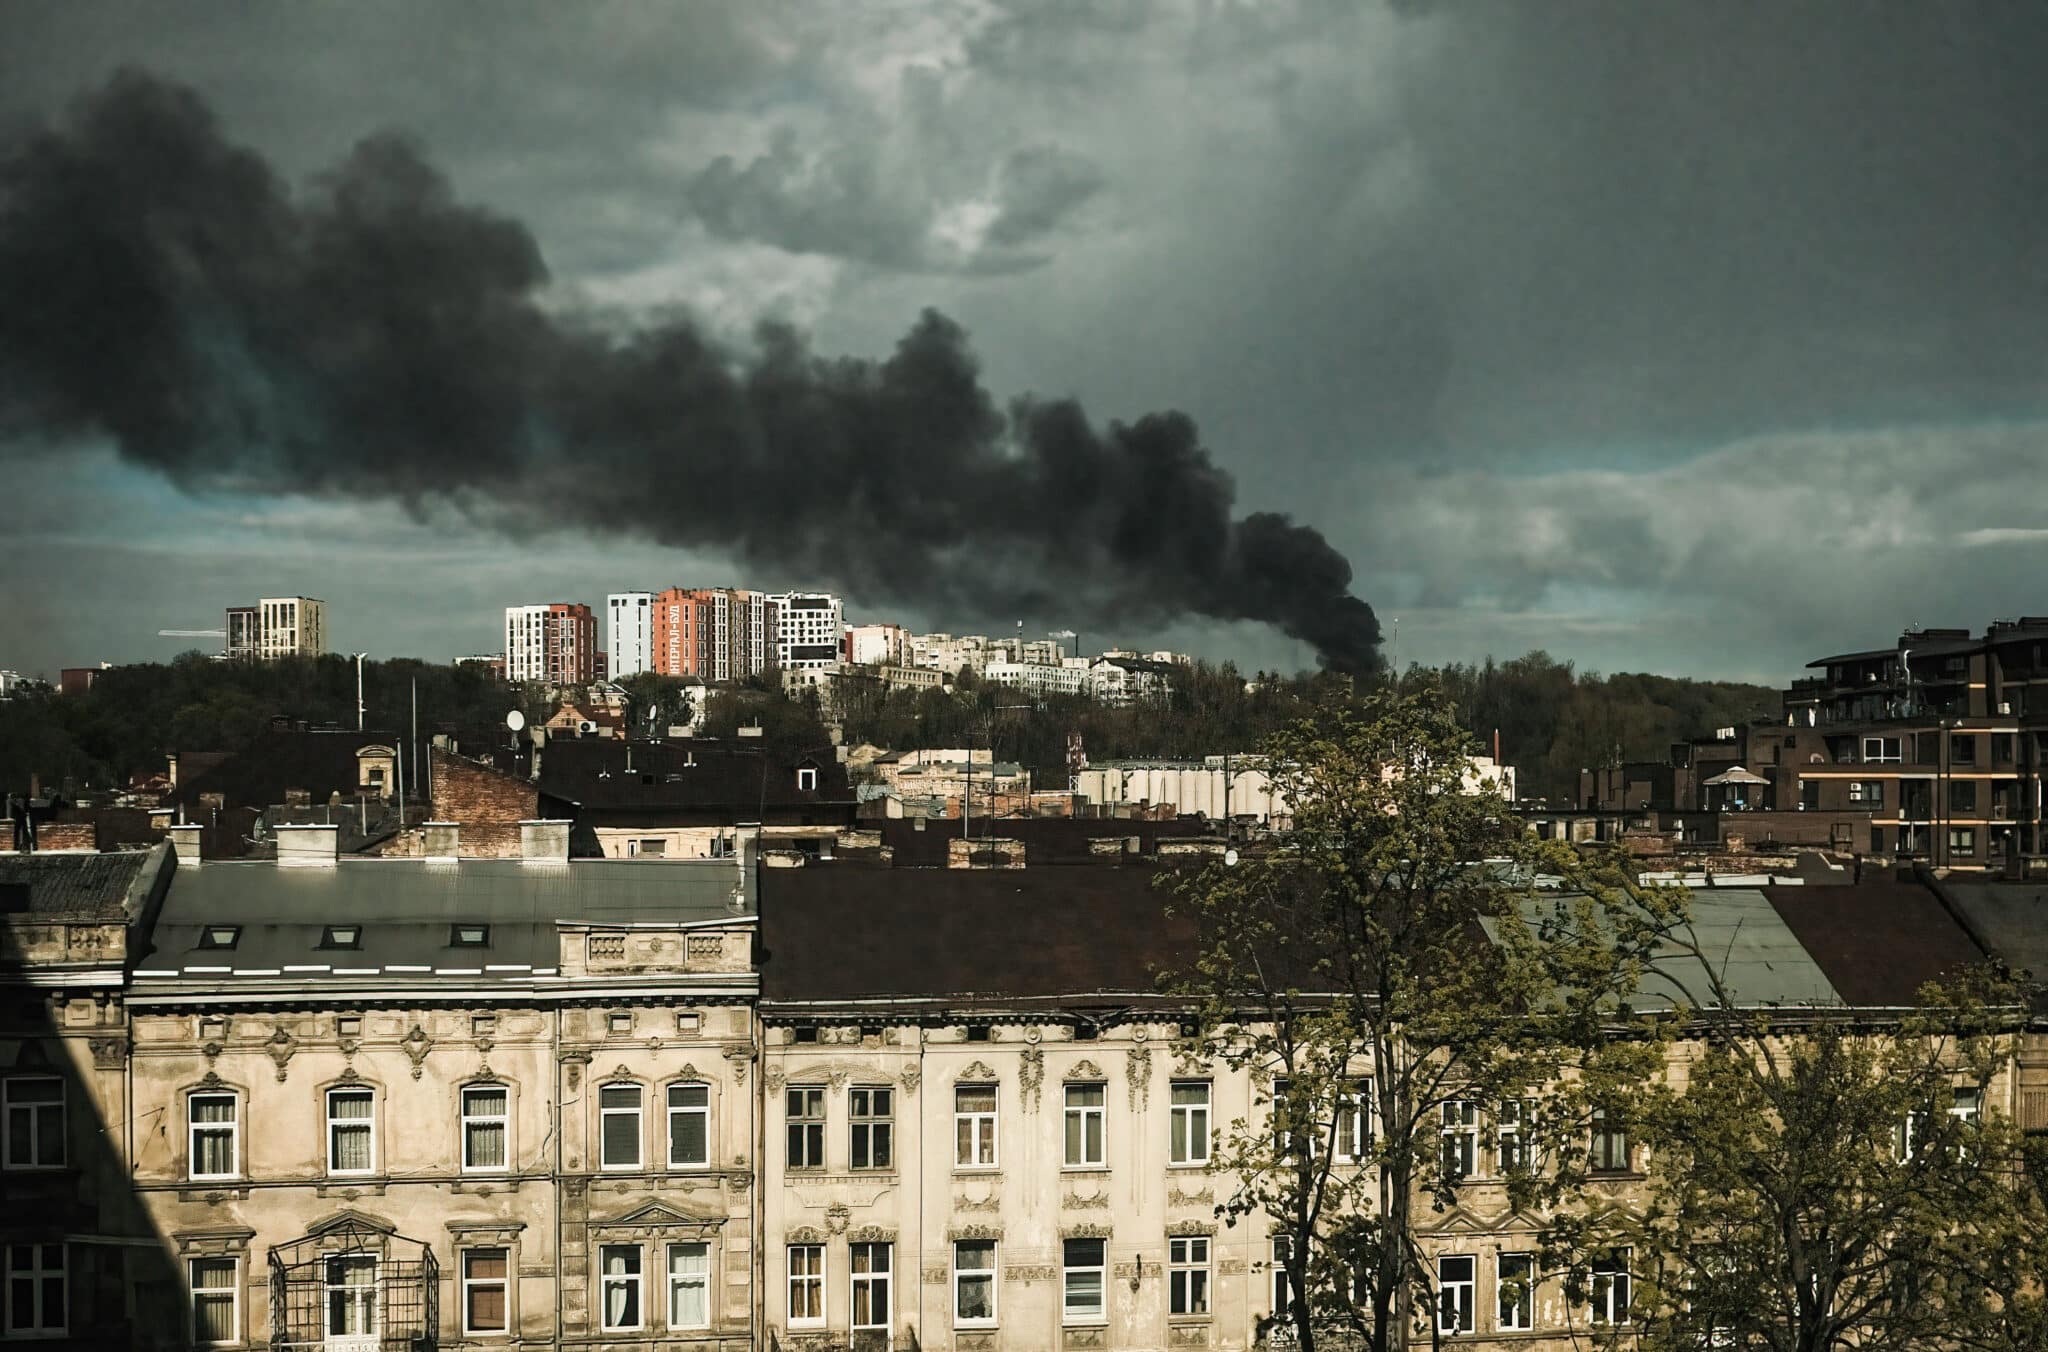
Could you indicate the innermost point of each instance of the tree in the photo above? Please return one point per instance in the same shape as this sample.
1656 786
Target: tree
667 698
1843 1183
1403 970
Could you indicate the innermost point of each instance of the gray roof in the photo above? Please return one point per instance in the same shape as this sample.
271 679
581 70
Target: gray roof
406 908
1760 959
83 886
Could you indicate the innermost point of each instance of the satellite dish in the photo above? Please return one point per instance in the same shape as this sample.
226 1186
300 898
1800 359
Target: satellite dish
1230 856
515 720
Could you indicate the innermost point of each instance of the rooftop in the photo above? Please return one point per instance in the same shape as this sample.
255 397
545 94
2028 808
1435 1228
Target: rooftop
78 886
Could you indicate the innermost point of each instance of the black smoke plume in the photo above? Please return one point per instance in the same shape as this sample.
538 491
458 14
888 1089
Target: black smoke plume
372 337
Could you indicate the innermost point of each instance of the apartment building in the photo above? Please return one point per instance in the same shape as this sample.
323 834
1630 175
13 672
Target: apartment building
870 645
629 633
555 643
807 630
1938 737
277 626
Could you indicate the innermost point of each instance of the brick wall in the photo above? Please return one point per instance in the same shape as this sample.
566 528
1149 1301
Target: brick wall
66 836
487 803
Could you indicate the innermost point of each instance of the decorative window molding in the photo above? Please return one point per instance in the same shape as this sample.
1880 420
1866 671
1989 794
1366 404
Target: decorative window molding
1084 1070
1183 1228
804 1234
872 1234
1088 1230
976 1072
957 1232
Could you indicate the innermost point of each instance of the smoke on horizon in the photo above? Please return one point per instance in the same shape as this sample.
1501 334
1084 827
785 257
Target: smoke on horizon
375 338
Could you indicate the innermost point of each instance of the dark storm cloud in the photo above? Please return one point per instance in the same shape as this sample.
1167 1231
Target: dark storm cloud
376 338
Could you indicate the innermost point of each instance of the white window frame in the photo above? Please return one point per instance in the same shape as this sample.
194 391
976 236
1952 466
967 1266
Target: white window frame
1081 1115
1896 751
1600 1154
1511 1143
1607 1274
1966 1105
678 1282
1283 1281
501 1120
1354 1135
469 1283
974 1129
366 1124
1188 1277
1187 1125
882 1279
36 1274
33 1110
1519 1315
807 780
355 1301
1457 1298
636 1280
232 1290
805 1126
811 1280
232 1129
992 1273
605 1114
1458 1136
1068 1271
679 1114
864 1126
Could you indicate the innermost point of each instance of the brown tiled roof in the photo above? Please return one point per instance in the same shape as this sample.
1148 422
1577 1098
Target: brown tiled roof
1878 942
1079 935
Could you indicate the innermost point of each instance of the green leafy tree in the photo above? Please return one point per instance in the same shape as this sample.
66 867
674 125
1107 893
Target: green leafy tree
1407 960
1843 1183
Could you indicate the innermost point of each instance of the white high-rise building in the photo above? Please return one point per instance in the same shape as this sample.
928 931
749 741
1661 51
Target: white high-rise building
629 633
807 628
288 626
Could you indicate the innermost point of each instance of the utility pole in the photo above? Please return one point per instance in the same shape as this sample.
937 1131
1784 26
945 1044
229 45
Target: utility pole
359 690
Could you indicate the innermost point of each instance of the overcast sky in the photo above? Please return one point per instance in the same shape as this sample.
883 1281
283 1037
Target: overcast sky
1700 338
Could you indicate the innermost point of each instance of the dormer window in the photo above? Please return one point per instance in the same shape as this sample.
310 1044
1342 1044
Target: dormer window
341 936
469 936
807 779
220 936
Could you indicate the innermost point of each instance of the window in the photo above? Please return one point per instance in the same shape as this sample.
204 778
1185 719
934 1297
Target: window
485 1121
351 1131
689 1286
1967 1105
1962 840
1962 795
1880 749
33 1106
1962 749
1354 1123
469 936
721 847
1457 1293
2001 748
348 1025
619 1298
1458 1134
647 847
806 1283
806 779
619 1023
1084 1123
1866 792
219 936
1083 1265
1515 1290
974 1281
1187 1274
618 1111
484 1288
342 936
1612 1153
216 1135
1187 1139
1283 1283
689 1125
871 1265
216 1300
1610 1289
35 1288
1510 1136
352 1299
974 1126
804 1107
873 1109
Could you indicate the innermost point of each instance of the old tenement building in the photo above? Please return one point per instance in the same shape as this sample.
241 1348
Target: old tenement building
439 1102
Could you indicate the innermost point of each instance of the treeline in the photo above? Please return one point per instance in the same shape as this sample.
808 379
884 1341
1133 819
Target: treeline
1552 719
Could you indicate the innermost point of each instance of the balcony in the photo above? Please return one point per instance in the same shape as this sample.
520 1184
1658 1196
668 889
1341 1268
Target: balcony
352 1285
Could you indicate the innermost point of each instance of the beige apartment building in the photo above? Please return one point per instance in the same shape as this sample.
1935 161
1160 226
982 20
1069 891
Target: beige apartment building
452 1102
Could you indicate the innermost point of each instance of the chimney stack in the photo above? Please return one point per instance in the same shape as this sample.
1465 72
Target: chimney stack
309 846
442 840
185 844
544 842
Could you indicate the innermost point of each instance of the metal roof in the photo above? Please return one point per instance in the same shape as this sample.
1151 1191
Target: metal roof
1760 960
406 909
2011 917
